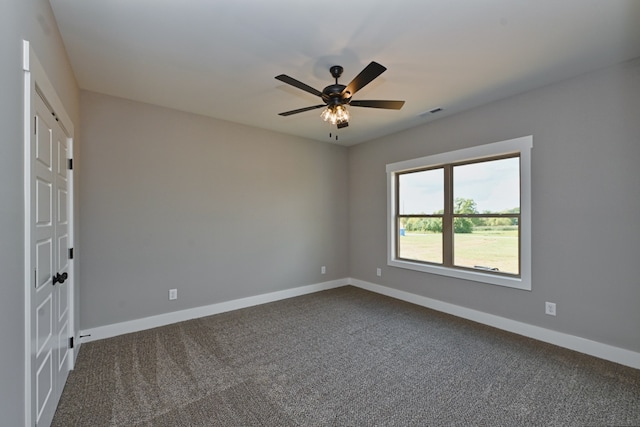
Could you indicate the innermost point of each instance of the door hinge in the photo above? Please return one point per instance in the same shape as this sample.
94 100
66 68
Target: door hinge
70 167
70 342
70 253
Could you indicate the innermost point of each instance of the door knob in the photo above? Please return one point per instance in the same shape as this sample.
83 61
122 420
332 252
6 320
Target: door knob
60 278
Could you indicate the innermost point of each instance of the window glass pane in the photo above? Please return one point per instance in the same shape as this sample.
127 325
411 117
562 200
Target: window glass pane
420 239
421 192
487 187
488 247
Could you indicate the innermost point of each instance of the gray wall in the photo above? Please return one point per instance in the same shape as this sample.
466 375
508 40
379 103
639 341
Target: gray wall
31 20
218 210
585 205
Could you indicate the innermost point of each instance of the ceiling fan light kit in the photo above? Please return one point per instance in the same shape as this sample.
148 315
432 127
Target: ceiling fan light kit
336 97
335 114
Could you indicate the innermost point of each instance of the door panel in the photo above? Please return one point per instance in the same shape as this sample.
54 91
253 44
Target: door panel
44 325
63 305
62 207
44 256
43 143
61 166
44 387
63 247
63 339
44 202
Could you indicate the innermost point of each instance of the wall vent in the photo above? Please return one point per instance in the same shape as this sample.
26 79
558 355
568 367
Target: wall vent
430 112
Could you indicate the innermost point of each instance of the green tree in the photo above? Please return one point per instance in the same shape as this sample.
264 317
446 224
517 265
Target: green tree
501 222
465 206
434 225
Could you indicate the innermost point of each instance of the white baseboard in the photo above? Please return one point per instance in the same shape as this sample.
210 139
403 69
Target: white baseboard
136 325
582 345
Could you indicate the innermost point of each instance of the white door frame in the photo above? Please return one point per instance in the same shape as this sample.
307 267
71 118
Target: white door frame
35 78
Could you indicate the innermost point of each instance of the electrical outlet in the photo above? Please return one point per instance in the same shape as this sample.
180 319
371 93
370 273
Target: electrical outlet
173 294
323 270
378 272
550 308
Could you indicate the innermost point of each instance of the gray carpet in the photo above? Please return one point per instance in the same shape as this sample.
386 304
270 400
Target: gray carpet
344 357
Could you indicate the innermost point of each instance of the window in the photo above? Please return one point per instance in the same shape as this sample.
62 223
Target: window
464 214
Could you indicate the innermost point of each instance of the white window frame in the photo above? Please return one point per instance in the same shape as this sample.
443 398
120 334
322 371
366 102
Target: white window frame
523 146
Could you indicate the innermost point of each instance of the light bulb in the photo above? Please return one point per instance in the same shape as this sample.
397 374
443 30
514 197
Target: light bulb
326 114
341 113
335 114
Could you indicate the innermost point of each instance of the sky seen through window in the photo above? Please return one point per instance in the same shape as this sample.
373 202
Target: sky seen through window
494 186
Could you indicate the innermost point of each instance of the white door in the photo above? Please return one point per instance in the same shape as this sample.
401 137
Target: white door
50 329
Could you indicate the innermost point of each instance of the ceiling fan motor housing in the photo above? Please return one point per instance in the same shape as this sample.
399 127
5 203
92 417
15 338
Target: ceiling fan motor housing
332 94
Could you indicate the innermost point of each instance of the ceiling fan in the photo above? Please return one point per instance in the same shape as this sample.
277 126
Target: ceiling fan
337 96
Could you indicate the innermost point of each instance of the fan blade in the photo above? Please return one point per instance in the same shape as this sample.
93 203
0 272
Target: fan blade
389 105
365 77
342 125
293 82
301 110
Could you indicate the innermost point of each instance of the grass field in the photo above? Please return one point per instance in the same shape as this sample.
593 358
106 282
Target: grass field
489 247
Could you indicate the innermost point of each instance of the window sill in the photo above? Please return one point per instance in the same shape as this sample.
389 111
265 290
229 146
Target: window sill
523 282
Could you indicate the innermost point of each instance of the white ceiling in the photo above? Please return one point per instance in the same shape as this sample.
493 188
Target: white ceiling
219 58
